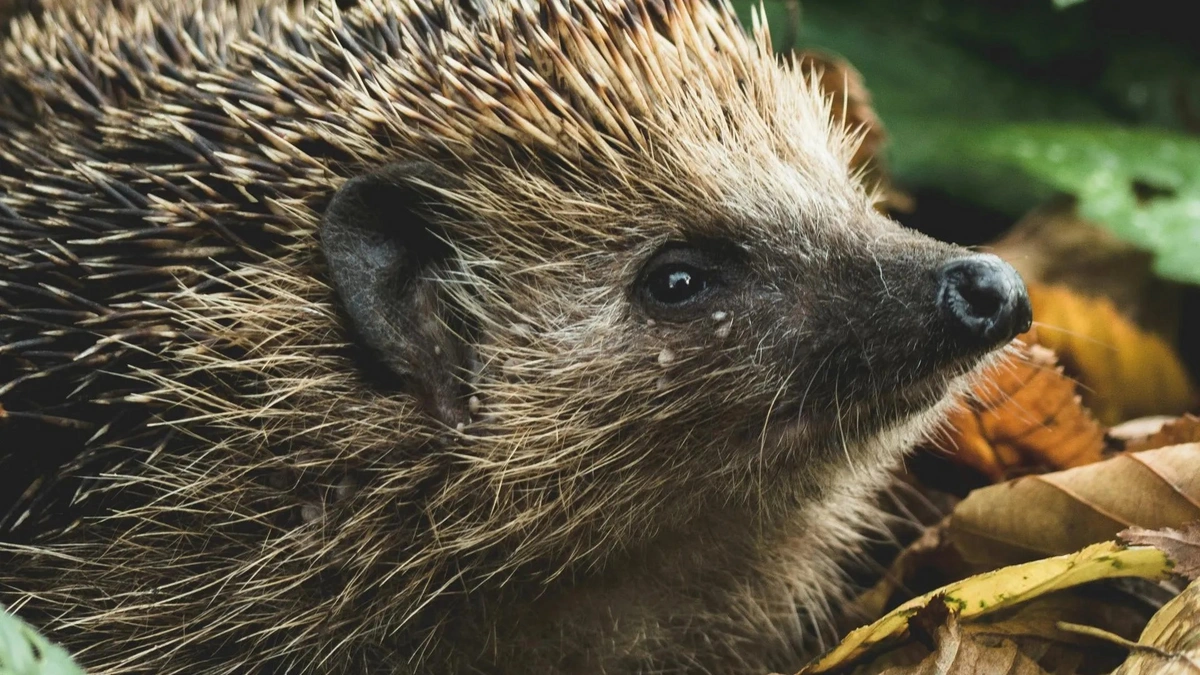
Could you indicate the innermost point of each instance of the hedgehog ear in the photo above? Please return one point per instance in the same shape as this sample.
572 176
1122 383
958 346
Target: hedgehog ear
381 240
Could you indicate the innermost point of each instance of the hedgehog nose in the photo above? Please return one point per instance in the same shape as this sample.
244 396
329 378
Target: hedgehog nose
984 300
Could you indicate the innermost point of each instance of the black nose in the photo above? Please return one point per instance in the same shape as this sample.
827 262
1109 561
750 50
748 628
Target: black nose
984 300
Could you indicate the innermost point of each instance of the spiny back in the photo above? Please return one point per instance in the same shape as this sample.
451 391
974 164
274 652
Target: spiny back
175 372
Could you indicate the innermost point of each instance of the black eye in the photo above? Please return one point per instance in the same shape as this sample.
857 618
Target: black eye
676 283
681 280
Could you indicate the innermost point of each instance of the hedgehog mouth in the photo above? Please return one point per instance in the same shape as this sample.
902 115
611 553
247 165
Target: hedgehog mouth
866 415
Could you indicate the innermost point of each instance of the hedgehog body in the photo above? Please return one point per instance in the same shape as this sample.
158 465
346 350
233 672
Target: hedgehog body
429 336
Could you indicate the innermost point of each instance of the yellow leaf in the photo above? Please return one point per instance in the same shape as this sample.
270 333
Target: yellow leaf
1124 371
1182 545
1000 589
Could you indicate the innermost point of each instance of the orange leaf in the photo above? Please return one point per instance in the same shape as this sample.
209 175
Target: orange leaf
1024 414
1124 371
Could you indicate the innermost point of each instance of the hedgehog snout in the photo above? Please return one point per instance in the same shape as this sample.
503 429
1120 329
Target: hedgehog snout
983 300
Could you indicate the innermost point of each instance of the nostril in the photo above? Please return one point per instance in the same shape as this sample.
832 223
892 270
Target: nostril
984 300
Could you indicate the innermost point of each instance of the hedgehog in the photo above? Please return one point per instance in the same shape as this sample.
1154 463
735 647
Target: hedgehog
449 336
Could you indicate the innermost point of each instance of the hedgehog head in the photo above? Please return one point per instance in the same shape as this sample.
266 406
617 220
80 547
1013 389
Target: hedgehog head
631 253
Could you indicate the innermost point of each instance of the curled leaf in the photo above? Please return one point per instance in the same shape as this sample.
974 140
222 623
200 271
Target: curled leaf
1023 414
1124 371
1001 589
1037 630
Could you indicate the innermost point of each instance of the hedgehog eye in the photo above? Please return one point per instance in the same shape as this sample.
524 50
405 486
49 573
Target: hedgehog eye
676 283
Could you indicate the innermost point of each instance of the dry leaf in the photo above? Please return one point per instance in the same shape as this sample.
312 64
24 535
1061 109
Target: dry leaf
961 653
1053 513
931 561
1000 589
1182 545
1023 415
1124 371
1034 628
1185 429
1171 641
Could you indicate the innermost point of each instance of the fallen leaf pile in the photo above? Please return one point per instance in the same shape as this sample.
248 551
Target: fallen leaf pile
1004 588
1071 509
1075 556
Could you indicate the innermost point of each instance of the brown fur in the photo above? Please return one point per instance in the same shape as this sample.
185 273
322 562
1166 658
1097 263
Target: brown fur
210 479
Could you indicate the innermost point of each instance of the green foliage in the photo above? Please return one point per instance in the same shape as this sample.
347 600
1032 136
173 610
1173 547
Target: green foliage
1143 184
24 652
999 104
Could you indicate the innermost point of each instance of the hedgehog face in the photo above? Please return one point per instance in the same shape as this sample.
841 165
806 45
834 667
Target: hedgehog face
673 283
820 341
587 340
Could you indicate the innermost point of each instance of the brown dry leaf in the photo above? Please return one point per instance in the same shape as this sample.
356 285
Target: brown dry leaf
961 653
1185 429
1182 545
1170 643
1122 436
1125 372
851 106
1023 415
1058 512
999 590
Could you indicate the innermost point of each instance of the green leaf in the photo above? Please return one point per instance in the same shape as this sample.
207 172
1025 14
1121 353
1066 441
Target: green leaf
24 652
1141 184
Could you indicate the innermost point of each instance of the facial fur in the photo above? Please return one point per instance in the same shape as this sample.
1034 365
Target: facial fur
360 333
